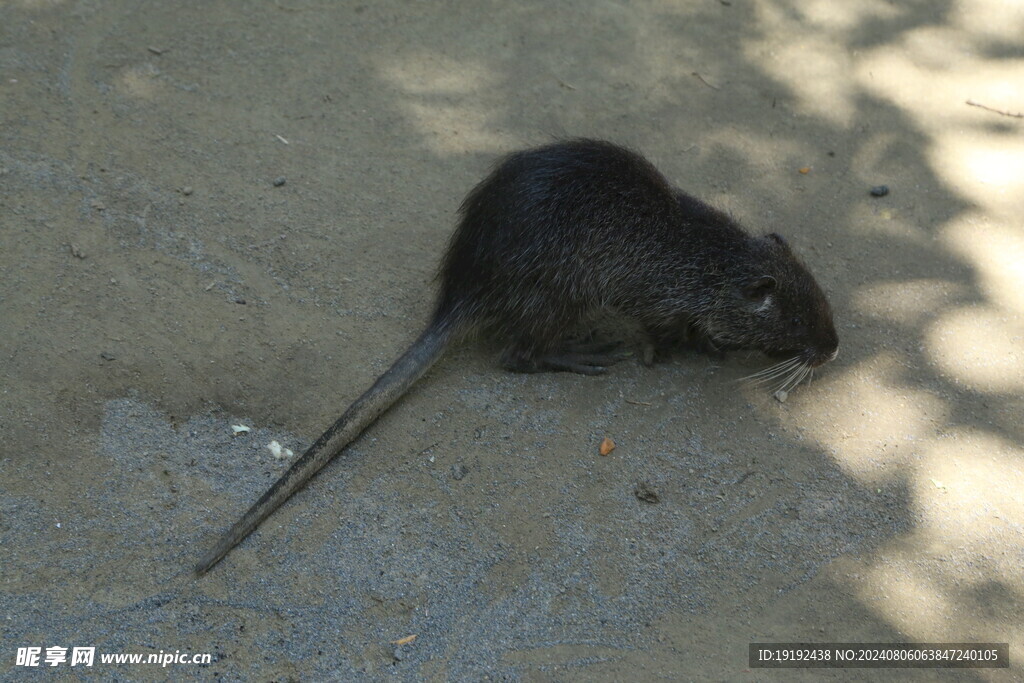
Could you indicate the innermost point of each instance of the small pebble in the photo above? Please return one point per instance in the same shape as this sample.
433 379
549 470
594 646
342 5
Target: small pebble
879 190
459 471
644 492
107 356
279 181
240 301
278 451
781 396
187 190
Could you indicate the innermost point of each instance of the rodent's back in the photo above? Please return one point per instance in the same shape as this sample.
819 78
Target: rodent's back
559 229
564 201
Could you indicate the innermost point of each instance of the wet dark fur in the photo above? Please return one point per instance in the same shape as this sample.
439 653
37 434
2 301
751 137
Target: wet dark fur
557 234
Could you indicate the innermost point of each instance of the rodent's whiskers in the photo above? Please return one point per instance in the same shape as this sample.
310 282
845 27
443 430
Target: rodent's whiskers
772 372
788 373
798 374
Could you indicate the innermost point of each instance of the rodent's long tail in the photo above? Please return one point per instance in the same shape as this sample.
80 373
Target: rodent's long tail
388 388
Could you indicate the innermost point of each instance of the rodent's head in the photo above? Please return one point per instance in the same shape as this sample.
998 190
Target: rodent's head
775 306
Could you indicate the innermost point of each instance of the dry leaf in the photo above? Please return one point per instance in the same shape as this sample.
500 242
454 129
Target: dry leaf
404 641
607 446
805 170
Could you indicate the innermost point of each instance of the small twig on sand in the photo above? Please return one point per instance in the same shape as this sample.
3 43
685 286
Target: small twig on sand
567 86
997 111
705 81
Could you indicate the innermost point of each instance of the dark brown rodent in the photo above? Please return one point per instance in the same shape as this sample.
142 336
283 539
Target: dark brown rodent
557 234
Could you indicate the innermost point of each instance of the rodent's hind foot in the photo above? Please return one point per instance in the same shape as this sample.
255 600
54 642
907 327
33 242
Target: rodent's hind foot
652 354
570 359
702 343
582 363
660 346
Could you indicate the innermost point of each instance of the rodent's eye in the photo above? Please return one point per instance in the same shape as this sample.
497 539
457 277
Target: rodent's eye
797 321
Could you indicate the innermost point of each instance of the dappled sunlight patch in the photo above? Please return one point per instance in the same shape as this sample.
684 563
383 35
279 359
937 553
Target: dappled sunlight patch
997 253
929 590
952 577
980 347
906 596
845 16
908 303
993 19
871 423
442 98
449 128
139 81
890 223
758 149
36 4
919 72
971 487
931 72
998 163
432 74
931 75
819 75
814 62
988 169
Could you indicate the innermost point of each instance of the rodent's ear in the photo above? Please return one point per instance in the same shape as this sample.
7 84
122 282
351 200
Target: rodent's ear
759 288
777 238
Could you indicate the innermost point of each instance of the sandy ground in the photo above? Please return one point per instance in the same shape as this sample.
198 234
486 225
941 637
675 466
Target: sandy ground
159 287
